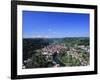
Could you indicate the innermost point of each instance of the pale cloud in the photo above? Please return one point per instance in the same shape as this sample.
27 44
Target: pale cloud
40 36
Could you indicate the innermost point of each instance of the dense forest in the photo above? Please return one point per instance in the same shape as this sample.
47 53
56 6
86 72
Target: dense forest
55 52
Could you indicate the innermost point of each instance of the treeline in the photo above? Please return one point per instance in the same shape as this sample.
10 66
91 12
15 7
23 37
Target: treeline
76 41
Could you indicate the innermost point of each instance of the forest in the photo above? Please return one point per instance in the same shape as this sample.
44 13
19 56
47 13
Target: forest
55 52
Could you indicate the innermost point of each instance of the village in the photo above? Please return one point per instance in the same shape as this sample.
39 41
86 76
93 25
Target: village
52 50
55 54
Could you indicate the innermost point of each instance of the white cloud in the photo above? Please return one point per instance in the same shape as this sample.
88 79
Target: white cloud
40 36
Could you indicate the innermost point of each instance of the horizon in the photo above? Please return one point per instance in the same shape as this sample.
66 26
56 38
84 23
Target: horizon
53 38
55 24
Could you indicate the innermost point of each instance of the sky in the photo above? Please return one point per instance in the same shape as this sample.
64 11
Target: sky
55 24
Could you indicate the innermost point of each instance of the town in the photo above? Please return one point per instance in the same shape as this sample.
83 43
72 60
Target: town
60 54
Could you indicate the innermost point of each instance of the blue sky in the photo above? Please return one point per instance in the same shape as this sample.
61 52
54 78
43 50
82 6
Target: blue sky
55 25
